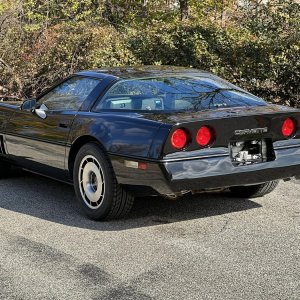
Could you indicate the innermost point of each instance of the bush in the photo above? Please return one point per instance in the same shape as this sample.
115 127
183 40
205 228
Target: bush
257 47
59 51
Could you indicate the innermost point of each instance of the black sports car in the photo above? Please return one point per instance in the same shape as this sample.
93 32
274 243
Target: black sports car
121 132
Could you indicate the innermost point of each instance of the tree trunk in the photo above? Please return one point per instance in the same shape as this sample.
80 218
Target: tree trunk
223 14
184 9
108 13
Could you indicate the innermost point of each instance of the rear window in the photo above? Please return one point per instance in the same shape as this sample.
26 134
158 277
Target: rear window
175 94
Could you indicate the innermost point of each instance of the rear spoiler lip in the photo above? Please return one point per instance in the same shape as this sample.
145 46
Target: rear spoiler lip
181 118
232 115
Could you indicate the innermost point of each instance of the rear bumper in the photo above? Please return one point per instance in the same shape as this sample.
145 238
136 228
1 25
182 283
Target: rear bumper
167 177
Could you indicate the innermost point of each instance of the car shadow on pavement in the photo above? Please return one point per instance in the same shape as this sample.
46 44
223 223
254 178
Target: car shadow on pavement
53 201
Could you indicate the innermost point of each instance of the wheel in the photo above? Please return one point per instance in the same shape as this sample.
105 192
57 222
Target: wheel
254 191
97 191
5 168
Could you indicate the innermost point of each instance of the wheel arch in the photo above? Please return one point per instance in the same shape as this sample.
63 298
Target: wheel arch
77 144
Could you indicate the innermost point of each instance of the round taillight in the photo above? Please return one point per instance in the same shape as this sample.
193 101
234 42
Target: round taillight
288 127
204 136
179 139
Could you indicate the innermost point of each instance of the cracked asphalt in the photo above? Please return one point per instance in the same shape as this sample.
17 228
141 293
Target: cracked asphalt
206 246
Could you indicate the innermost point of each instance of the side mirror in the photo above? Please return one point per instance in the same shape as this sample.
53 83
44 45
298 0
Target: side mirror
40 113
28 104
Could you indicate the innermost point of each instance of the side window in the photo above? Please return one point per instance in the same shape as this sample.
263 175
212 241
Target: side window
69 95
132 95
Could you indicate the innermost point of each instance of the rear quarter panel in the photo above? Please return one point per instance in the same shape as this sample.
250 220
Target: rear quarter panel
125 134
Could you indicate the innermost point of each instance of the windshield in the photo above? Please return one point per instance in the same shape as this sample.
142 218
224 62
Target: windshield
175 94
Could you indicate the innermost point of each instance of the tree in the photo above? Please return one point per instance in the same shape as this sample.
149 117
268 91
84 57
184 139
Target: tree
184 9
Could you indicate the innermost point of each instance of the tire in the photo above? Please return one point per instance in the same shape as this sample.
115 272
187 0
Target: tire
5 168
96 188
254 191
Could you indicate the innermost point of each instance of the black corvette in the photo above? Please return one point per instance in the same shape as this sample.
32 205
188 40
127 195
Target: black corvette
122 132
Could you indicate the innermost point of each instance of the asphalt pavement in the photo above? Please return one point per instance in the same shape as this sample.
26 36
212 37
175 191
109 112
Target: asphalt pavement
206 246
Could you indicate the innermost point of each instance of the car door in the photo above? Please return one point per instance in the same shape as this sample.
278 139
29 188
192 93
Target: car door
38 141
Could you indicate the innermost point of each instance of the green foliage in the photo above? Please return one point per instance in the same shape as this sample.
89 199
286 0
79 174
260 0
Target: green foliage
257 46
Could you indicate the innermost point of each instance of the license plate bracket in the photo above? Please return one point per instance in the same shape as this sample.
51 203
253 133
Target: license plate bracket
251 151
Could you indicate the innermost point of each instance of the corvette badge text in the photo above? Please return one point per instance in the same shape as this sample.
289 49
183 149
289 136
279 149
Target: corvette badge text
251 131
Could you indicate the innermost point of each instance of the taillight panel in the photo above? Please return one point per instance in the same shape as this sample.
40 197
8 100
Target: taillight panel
206 135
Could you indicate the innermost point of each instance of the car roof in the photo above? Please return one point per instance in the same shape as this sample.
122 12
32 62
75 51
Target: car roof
143 72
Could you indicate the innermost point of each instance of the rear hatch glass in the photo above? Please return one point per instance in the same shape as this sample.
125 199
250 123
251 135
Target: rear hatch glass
176 93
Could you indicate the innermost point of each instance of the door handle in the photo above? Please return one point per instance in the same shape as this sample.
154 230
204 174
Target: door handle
64 124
